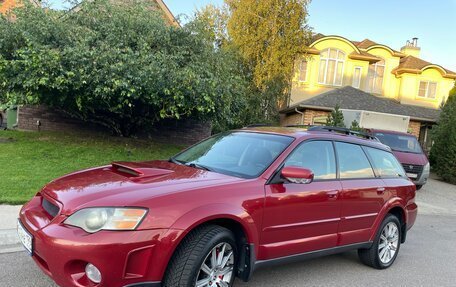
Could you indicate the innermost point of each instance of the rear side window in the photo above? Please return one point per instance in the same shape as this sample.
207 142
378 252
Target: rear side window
353 162
318 156
386 165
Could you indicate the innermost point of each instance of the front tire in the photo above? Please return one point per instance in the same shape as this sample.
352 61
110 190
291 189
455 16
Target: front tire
418 187
386 245
207 257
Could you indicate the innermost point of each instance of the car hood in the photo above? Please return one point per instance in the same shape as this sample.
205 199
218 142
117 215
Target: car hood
128 184
411 158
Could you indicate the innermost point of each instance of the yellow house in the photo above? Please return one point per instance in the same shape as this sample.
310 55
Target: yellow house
400 77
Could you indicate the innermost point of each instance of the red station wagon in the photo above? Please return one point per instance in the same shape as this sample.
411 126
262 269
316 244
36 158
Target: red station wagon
220 209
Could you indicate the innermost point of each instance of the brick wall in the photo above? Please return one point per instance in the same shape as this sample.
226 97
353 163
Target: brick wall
309 115
182 132
296 118
50 120
414 128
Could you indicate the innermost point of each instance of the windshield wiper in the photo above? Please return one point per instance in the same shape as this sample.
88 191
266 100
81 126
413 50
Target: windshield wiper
197 165
176 161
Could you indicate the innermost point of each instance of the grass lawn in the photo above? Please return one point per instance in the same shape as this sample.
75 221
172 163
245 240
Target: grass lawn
29 160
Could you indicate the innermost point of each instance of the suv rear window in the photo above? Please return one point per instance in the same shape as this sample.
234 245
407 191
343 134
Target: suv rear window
386 165
401 143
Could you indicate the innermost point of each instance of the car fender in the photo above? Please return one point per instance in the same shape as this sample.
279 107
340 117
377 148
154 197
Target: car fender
187 222
202 214
390 204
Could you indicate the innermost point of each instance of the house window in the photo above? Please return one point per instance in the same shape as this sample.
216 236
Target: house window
302 70
375 77
331 67
319 121
427 89
357 77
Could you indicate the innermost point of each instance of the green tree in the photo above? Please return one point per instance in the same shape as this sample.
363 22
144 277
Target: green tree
117 64
336 118
443 152
269 34
355 126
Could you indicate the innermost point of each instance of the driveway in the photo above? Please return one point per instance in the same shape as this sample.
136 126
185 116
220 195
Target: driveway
427 259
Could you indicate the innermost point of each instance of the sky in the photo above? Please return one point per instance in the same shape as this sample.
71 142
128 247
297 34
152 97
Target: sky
389 22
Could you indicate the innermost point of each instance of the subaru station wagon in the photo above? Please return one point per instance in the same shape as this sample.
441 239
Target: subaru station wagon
231 204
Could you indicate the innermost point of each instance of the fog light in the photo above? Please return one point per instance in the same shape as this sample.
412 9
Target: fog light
93 273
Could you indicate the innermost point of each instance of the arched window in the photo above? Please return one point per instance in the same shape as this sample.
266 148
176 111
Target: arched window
375 77
331 69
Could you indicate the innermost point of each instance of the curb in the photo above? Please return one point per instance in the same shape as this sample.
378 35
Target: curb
9 241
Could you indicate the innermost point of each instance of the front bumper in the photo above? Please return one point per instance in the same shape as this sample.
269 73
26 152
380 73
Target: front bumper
423 178
125 258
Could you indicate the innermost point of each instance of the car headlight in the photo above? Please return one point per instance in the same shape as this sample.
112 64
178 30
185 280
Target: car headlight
107 218
427 167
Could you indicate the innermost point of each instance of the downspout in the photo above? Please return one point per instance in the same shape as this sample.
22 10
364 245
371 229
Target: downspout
302 116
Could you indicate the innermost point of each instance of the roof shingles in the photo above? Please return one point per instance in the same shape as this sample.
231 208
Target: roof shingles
355 99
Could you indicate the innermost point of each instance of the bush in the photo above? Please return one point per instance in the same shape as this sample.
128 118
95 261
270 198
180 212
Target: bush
443 152
116 64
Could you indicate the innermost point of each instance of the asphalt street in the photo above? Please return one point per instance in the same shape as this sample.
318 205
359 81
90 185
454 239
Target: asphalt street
427 259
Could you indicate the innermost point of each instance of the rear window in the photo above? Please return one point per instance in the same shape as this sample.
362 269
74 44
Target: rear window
401 143
386 165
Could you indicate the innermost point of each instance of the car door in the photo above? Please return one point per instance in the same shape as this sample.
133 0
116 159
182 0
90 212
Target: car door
362 196
303 217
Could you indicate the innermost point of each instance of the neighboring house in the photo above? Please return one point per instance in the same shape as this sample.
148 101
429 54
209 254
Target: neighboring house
7 5
156 4
383 80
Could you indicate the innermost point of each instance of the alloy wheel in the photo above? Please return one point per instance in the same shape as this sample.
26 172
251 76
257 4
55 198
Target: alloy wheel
389 241
217 268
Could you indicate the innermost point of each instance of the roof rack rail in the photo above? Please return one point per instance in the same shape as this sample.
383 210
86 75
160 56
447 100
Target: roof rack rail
257 125
299 126
343 131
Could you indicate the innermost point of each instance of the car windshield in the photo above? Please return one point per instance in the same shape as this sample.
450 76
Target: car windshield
241 154
402 143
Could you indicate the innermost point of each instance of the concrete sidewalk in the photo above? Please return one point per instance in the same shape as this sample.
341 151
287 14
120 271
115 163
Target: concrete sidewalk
9 242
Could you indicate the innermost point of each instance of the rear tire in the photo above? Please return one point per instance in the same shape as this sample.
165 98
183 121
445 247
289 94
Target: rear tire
418 187
208 253
386 245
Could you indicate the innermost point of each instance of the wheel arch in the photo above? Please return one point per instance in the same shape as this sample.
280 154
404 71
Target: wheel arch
396 207
237 221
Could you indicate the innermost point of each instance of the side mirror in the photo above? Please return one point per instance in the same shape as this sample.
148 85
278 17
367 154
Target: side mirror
296 174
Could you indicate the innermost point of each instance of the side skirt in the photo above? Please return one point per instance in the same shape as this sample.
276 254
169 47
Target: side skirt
310 255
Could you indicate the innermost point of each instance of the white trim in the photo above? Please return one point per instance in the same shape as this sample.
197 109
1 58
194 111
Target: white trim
426 95
338 61
299 71
374 78
360 76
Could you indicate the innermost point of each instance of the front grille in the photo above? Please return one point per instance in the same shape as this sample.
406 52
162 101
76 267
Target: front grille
50 208
411 168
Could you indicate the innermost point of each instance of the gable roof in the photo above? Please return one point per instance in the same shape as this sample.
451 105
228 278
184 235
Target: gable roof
355 99
366 43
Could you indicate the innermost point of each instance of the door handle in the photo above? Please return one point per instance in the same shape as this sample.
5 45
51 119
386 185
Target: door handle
381 190
333 194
